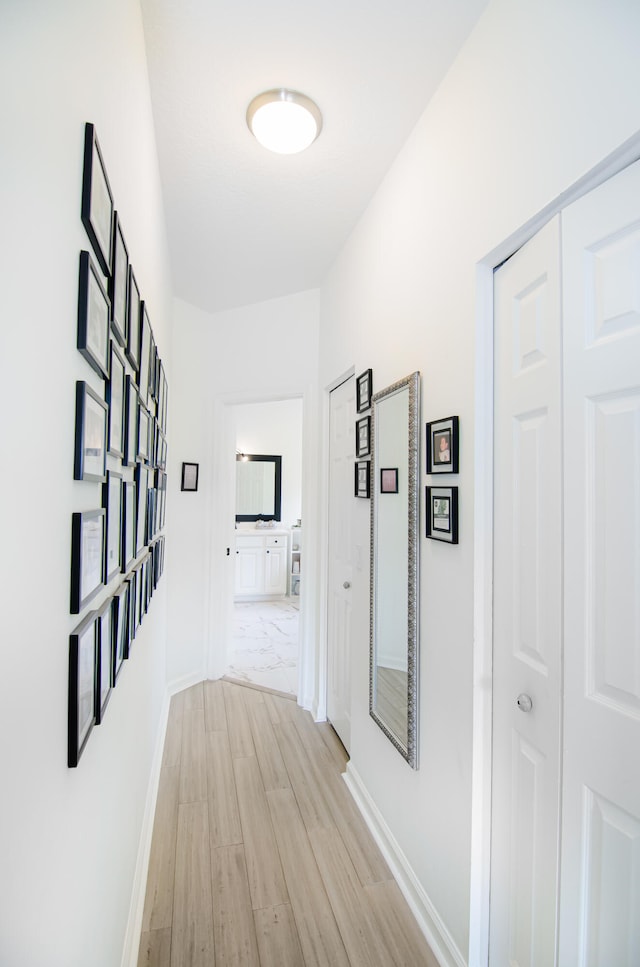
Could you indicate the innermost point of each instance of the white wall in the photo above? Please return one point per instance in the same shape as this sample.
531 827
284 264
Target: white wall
540 93
68 837
266 351
276 428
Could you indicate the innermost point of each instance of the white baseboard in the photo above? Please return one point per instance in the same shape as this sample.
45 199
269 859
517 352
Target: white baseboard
185 681
438 937
136 907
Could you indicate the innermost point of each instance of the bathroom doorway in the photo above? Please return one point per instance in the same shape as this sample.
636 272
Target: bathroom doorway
264 635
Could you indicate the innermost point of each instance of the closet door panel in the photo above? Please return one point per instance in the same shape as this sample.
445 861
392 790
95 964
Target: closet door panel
600 887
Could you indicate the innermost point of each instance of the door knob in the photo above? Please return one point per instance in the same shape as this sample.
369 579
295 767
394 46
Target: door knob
346 585
525 703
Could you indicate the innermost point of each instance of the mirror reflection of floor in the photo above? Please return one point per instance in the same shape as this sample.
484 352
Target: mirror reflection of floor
391 699
264 649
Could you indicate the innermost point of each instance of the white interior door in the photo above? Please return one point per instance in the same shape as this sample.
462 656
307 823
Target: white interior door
600 883
527 605
341 464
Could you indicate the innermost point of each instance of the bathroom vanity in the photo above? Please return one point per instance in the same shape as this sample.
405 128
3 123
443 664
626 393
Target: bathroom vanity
262 563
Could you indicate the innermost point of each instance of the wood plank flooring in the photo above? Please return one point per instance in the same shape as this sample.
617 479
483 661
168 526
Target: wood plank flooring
259 855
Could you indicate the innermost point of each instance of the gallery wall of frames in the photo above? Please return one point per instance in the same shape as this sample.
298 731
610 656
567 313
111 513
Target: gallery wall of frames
120 444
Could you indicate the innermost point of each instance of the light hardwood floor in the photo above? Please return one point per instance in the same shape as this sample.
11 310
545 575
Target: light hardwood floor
259 856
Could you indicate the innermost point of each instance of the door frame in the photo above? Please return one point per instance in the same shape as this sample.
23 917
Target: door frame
220 528
319 709
479 898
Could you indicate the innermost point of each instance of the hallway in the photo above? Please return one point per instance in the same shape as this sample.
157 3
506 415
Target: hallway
259 856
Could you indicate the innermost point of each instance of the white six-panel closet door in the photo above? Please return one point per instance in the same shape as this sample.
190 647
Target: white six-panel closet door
527 605
600 881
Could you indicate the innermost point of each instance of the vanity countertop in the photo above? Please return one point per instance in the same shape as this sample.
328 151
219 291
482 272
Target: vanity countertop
262 531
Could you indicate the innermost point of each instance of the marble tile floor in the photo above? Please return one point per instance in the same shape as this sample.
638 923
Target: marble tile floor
264 648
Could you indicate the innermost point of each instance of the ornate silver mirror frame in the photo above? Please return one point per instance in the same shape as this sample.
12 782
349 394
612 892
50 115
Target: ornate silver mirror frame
393 653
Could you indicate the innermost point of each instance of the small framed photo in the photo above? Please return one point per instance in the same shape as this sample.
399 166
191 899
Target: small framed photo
104 658
142 479
130 423
442 514
133 322
145 354
94 311
442 446
87 557
362 478
116 401
189 476
90 458
128 524
364 391
82 687
134 617
389 480
97 200
363 437
153 370
119 283
143 433
112 503
120 620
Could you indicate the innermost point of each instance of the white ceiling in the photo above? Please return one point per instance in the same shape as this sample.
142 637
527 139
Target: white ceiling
244 224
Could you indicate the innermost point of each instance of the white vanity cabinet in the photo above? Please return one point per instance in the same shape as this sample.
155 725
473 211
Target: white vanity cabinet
261 564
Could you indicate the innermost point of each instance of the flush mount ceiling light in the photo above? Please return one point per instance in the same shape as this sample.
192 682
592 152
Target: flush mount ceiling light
284 121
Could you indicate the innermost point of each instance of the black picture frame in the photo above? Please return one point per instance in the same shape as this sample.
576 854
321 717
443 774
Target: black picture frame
141 475
362 478
82 687
363 437
190 472
152 514
90 456
97 200
87 557
94 313
163 392
133 322
143 454
120 619
132 404
145 354
161 488
104 659
442 445
119 283
388 480
128 524
442 514
161 449
153 369
134 616
364 391
116 402
112 503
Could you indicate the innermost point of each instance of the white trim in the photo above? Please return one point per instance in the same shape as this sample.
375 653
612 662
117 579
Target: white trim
626 154
319 710
438 937
136 905
185 681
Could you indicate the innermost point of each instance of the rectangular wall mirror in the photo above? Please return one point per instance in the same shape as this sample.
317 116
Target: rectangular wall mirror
393 674
258 487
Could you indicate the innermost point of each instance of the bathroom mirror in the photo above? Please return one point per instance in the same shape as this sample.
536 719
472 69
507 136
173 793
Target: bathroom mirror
393 672
258 487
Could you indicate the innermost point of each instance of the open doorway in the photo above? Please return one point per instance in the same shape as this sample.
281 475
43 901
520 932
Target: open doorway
264 634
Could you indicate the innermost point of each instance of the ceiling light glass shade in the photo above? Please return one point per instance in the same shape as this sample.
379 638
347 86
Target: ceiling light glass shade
284 121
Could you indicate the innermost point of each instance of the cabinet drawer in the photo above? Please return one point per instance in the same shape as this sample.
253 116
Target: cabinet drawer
242 542
276 541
